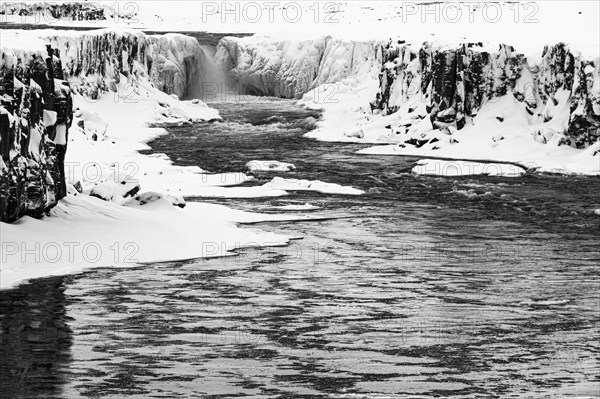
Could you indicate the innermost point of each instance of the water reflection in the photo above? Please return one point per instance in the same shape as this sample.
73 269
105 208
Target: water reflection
35 347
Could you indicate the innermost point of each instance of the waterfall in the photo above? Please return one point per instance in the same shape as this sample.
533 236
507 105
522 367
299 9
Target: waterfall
212 77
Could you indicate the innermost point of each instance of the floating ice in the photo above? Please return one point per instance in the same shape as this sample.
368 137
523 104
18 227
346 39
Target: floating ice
438 167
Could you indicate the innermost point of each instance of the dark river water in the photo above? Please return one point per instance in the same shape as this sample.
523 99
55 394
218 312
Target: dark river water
473 287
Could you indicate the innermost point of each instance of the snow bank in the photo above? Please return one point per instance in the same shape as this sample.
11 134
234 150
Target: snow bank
84 232
438 167
529 25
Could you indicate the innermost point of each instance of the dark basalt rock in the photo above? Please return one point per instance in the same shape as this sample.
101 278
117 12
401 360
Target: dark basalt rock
32 177
456 82
75 11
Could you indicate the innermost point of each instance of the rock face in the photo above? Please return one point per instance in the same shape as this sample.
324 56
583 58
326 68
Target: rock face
49 12
35 115
448 85
97 59
453 83
36 103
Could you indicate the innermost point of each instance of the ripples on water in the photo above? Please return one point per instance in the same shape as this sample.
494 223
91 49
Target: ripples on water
423 287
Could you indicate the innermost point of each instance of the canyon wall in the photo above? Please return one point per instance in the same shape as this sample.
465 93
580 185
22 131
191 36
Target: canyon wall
291 68
35 116
560 93
39 72
97 59
448 84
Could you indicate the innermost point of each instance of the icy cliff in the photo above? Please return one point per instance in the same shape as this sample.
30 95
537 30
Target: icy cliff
559 95
172 62
263 66
430 87
41 71
35 116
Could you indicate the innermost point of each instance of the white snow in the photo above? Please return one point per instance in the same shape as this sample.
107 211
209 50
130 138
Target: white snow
311 185
85 232
530 24
439 167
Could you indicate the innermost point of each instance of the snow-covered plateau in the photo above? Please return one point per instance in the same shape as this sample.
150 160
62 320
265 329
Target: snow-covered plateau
465 100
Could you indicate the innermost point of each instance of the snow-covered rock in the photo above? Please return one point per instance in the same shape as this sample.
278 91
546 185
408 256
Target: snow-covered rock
449 85
151 196
115 191
35 116
269 166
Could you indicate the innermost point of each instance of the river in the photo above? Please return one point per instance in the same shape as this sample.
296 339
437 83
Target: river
475 287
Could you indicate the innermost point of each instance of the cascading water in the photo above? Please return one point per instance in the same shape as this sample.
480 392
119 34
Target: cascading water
212 77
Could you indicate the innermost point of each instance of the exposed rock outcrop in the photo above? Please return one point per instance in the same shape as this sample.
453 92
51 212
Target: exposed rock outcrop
453 83
35 116
97 59
74 11
36 103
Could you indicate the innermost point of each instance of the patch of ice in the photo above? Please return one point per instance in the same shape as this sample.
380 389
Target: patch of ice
311 185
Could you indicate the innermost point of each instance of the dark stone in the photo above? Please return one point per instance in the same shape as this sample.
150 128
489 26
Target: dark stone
32 180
